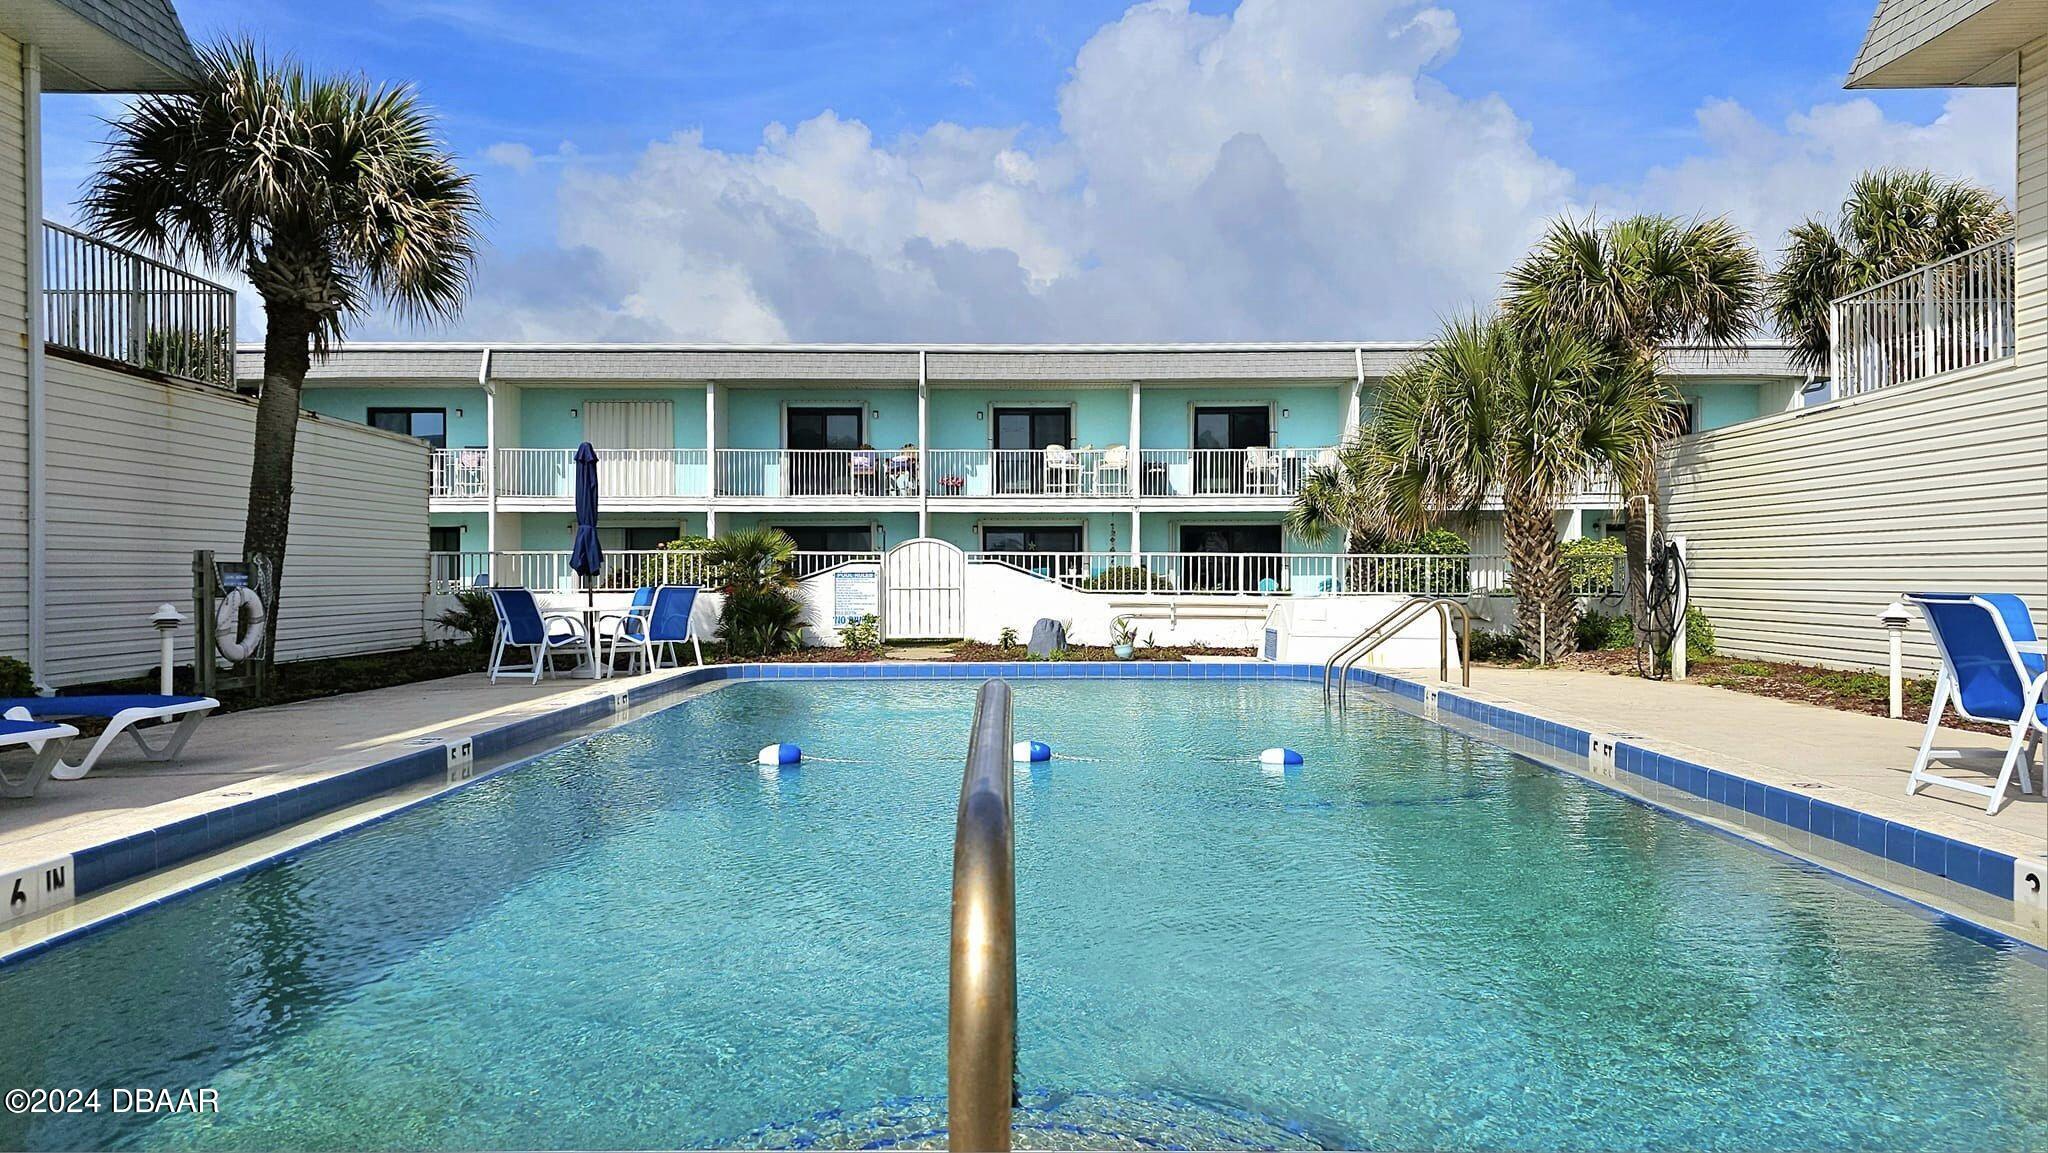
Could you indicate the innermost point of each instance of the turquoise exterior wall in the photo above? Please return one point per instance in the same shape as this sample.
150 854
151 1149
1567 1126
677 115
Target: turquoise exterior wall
1161 530
1314 413
475 526
467 430
890 528
1723 402
961 418
1101 532
552 417
557 530
754 416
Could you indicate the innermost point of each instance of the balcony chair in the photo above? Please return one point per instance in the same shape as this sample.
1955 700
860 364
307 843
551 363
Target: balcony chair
1113 471
45 742
124 713
1261 471
521 625
1062 471
1992 671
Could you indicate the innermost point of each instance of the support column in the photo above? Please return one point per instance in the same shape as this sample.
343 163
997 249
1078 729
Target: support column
924 517
1354 411
483 380
35 416
1137 474
710 459
1137 529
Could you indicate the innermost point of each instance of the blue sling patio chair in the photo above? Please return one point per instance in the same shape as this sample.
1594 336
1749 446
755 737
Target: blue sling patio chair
628 629
140 715
668 625
1992 671
522 625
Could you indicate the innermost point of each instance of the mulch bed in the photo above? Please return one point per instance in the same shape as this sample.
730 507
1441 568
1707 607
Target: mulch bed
1848 690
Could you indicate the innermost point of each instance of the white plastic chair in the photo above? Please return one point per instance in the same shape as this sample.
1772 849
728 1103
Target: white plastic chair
1113 471
1261 470
1062 471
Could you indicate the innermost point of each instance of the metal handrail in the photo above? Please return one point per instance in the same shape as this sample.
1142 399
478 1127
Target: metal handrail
981 1025
1406 613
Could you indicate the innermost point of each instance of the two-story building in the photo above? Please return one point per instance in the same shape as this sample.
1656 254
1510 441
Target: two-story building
1087 457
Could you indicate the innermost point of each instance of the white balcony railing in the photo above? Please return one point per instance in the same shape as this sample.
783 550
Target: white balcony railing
548 570
459 474
1954 314
1272 574
622 473
1268 574
1030 473
1197 473
108 302
817 472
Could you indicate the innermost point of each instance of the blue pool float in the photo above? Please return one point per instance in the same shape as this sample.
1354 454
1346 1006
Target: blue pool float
784 754
1279 757
1033 751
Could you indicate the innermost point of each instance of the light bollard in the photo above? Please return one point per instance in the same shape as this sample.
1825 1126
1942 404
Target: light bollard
1895 617
166 620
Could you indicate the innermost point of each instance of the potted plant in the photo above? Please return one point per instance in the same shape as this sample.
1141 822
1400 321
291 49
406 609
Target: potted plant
1123 637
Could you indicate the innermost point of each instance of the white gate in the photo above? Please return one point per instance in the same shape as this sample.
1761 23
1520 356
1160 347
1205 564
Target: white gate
924 591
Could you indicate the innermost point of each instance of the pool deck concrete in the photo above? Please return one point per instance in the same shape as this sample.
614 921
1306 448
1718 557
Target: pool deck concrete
234 755
1849 758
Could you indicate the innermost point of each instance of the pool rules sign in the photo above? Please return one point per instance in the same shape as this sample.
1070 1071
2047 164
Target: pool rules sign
853 595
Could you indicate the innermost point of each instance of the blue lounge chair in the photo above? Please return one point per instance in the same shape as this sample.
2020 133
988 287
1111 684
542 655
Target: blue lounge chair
1987 675
521 625
658 621
124 713
46 743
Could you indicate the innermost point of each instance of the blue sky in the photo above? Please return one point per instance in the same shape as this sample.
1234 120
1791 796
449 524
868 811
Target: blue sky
626 155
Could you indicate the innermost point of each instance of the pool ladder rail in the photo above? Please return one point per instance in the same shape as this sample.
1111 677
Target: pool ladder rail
981 1022
1389 626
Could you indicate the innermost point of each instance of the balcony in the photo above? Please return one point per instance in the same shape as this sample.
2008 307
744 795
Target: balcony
830 475
1954 314
546 477
1113 474
121 307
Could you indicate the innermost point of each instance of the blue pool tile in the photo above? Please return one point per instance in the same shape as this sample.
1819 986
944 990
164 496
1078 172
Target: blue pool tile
1692 778
1930 851
1870 834
1774 805
240 822
1994 873
1717 786
1898 843
1820 820
1753 797
180 841
1797 809
100 866
1959 862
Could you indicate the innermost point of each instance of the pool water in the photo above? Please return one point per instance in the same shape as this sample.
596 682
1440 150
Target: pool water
1416 940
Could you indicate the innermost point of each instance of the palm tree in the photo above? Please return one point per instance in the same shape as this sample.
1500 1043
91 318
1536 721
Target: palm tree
1490 409
1893 222
762 614
329 193
1638 287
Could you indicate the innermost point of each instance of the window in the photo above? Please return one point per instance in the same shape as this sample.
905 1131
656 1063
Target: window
1221 563
1020 435
1224 435
637 538
429 424
830 537
1065 538
1689 418
444 538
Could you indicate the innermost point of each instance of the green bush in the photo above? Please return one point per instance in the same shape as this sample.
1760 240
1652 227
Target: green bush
1007 638
473 616
1601 631
862 634
1590 561
1435 542
1492 646
15 678
1699 634
1123 578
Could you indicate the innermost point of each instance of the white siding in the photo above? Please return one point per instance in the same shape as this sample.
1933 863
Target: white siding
142 473
14 252
1803 526
2031 253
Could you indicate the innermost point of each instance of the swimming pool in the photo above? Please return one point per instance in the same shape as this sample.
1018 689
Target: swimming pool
1416 940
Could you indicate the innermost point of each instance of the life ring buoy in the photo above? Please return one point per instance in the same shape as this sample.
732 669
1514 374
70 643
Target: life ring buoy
238 626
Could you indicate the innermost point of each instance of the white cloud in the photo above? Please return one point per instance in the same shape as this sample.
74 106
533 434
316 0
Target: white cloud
1289 170
510 154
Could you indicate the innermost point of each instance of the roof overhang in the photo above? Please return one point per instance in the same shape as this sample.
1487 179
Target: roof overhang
104 45
1945 44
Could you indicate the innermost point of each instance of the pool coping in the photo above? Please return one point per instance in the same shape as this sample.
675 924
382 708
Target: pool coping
1781 813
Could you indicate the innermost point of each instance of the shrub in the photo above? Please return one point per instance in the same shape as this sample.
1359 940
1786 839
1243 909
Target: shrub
1435 542
1699 634
473 616
1601 631
862 634
1492 646
15 678
762 614
1007 638
1123 578
1591 562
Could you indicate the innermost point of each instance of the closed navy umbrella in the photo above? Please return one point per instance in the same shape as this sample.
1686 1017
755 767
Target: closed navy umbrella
586 556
